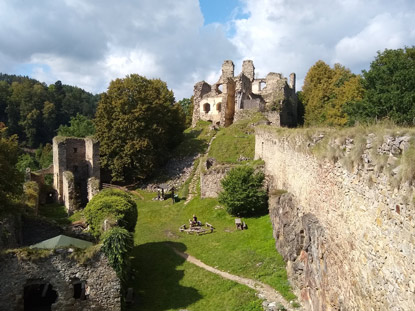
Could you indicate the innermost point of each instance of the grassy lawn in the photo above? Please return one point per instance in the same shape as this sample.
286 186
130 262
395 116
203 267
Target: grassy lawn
234 141
164 277
162 280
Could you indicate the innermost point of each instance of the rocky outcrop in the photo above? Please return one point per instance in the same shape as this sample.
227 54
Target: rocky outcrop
300 239
347 228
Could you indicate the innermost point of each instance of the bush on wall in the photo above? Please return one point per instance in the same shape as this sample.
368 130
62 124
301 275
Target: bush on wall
116 243
116 206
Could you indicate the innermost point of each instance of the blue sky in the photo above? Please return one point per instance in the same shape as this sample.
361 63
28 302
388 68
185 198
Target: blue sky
89 43
218 11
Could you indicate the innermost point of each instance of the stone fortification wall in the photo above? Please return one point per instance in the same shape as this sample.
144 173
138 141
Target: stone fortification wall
75 161
68 191
92 157
347 234
61 273
210 185
218 103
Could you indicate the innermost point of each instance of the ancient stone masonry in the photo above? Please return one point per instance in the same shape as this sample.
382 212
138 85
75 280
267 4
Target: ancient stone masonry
60 281
210 178
76 170
220 102
347 234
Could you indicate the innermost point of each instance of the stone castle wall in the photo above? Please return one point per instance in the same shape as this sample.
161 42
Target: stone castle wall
60 272
75 161
219 102
210 181
347 236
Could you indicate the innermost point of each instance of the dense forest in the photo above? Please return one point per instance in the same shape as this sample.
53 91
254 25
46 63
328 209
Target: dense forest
34 111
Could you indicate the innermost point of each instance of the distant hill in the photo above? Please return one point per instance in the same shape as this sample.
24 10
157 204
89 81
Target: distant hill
34 110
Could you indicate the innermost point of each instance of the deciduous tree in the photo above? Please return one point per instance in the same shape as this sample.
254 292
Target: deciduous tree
137 124
390 88
80 126
327 91
10 178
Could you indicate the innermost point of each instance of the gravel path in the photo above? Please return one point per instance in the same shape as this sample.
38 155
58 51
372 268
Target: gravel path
271 296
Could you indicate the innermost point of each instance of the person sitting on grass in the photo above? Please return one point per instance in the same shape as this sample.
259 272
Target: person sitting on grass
194 221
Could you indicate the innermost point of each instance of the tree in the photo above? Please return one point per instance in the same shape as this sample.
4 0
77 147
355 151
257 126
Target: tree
187 106
137 124
4 100
10 178
243 193
390 88
327 91
49 115
81 126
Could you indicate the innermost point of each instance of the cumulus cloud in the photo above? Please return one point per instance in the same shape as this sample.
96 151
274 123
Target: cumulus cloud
89 43
290 36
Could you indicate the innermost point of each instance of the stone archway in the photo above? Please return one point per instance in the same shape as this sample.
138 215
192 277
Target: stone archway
39 297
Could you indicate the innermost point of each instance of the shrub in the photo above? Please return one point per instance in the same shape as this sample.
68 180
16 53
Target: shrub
117 243
243 193
31 195
114 205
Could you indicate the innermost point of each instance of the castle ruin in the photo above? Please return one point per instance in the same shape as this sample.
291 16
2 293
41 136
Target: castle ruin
76 170
219 103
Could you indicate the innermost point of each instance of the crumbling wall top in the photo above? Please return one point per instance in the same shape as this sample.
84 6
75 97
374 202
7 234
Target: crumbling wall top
248 69
228 69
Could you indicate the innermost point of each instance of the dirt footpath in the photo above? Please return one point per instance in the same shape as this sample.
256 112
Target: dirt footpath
264 291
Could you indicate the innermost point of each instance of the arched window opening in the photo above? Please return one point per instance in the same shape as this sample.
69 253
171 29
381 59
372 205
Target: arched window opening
206 108
219 88
218 107
262 85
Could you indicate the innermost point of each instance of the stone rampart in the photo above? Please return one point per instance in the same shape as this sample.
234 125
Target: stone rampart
210 181
92 287
347 234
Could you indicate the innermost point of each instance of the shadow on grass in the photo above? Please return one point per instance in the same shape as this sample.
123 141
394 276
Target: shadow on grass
157 278
56 212
191 144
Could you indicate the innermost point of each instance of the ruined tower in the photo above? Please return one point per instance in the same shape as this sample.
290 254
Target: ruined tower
223 101
76 170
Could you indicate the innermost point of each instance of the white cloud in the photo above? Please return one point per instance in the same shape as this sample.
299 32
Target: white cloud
90 43
383 31
287 36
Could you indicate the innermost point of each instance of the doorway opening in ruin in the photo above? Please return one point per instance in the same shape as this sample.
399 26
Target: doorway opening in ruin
206 108
79 290
39 297
218 107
